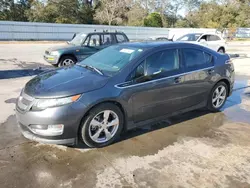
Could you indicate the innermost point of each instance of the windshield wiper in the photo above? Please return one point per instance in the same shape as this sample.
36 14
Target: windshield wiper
91 68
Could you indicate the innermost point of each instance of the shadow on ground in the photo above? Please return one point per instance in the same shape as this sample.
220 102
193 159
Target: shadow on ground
22 68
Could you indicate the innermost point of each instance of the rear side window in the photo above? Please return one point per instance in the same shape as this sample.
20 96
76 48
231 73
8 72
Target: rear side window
213 38
121 38
106 39
196 59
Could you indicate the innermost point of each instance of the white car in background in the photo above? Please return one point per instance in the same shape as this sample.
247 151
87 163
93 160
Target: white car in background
210 40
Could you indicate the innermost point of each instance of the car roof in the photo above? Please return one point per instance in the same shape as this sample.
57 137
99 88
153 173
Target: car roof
155 44
105 32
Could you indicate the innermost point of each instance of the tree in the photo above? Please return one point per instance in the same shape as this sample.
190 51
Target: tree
61 11
111 11
14 10
153 20
136 15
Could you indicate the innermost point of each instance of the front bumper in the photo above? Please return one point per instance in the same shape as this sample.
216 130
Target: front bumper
69 115
51 59
31 136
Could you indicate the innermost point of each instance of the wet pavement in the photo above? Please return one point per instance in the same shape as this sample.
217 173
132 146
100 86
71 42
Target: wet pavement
195 149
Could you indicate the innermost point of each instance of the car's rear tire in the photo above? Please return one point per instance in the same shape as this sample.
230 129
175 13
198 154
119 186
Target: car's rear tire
221 50
217 97
66 61
102 126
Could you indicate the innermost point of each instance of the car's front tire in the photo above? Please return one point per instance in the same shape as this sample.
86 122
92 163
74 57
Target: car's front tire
66 61
102 126
217 97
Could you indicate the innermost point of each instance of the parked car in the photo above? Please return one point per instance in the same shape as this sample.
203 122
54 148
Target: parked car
81 46
213 41
120 88
159 38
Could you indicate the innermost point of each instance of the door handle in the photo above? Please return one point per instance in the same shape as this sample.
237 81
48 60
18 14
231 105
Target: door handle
210 71
177 80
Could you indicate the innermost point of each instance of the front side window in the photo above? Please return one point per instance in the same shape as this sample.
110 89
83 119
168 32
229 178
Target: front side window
94 40
112 59
196 58
158 64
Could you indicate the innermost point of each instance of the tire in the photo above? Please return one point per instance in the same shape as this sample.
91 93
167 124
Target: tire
66 61
87 129
212 104
221 50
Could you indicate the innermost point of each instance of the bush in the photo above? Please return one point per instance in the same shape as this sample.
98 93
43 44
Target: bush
153 20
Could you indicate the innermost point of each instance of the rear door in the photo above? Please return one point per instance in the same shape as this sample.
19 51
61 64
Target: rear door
155 89
199 71
214 42
107 40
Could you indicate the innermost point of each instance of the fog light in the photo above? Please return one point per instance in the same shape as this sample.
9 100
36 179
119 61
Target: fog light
47 130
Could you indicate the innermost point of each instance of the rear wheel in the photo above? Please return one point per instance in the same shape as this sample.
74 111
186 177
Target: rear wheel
217 97
102 126
67 61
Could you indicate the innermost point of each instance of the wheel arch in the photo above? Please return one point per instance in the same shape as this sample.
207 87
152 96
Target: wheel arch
222 47
227 82
66 54
115 102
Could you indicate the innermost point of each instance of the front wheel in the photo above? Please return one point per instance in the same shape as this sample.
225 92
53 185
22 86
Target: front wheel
217 97
67 61
102 126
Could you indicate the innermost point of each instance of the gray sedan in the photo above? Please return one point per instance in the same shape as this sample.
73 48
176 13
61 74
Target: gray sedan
120 88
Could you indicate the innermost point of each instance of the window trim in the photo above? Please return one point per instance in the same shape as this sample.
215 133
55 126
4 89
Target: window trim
151 81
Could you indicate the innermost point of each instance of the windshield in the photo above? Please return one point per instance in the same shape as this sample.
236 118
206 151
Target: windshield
190 37
110 60
78 39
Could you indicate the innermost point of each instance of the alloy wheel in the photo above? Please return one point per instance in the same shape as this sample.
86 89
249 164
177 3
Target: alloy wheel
68 62
219 96
103 126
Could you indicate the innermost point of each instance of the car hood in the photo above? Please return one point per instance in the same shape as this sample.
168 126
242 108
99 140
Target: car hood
64 82
63 47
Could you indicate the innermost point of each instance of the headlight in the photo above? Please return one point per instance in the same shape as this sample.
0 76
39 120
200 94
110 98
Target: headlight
55 53
48 103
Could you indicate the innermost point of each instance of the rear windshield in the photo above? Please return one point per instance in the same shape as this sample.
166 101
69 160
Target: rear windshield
113 58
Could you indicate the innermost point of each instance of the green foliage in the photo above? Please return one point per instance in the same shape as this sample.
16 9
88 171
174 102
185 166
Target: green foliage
153 20
14 10
60 11
153 13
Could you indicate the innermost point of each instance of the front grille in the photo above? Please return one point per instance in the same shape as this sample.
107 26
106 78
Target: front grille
24 102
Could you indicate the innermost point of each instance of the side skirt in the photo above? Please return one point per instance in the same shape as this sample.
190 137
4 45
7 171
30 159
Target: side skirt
132 125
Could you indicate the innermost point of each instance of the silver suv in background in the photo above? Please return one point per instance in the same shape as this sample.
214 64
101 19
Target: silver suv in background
209 40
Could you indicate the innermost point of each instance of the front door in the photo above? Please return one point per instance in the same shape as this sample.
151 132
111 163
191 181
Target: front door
90 46
156 85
